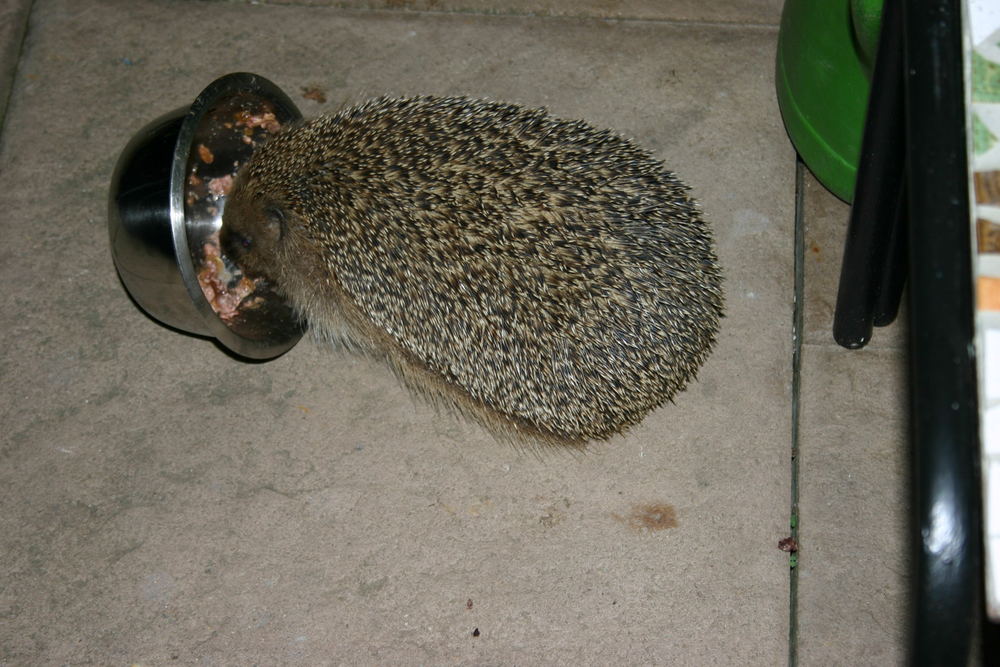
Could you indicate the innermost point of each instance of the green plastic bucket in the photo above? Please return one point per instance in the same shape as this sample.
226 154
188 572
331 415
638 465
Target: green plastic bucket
825 52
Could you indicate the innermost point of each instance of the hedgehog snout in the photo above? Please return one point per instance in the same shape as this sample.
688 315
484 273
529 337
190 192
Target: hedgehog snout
234 244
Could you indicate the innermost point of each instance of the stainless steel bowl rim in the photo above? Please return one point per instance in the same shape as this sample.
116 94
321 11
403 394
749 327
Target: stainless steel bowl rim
222 88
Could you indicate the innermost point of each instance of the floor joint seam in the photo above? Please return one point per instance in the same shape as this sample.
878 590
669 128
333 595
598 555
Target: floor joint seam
22 40
696 23
797 344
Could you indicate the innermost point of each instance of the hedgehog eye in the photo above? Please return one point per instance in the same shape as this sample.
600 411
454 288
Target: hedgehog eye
245 242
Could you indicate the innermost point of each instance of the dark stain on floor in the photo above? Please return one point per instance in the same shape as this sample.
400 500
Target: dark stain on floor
650 517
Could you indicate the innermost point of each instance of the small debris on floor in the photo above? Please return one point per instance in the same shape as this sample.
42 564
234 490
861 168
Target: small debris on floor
788 544
314 93
475 633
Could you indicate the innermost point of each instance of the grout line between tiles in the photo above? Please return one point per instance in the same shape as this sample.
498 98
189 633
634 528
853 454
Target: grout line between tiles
21 38
694 23
797 334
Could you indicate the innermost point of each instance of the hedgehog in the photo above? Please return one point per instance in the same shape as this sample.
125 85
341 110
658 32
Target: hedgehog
547 278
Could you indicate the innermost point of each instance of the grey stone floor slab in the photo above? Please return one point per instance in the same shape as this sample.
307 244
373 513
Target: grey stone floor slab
854 500
745 12
164 502
853 469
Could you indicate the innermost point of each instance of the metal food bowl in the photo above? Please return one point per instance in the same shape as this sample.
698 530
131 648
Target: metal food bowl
166 201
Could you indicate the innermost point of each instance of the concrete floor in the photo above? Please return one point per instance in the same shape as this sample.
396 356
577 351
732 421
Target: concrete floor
163 503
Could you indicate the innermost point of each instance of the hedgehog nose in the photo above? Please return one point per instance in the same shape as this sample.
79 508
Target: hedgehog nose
234 245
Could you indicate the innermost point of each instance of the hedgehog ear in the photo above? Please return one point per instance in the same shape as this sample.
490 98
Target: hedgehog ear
276 220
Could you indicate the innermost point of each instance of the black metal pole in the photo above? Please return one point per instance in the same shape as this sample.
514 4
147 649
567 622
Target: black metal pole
896 267
947 514
870 265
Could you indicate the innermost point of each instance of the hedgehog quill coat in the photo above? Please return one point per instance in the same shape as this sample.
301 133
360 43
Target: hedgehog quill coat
548 278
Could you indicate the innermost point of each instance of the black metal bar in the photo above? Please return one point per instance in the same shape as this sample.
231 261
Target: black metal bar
894 276
947 530
868 245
